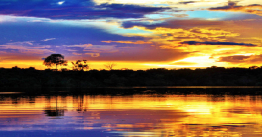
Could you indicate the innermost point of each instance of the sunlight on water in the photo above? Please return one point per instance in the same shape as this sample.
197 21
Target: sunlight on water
134 115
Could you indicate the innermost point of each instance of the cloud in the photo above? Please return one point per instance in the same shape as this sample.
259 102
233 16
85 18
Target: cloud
26 47
215 43
71 50
93 54
169 38
4 18
255 59
223 37
95 48
84 46
129 42
186 2
232 6
75 9
89 49
240 59
172 3
177 23
234 59
48 39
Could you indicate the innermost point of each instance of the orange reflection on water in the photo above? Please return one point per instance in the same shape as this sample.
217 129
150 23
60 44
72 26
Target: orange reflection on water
139 115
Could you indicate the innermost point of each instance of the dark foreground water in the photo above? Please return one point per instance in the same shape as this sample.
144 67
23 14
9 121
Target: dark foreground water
131 112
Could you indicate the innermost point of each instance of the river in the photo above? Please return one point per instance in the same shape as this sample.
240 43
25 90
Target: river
131 112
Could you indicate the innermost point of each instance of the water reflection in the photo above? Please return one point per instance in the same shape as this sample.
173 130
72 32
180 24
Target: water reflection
133 115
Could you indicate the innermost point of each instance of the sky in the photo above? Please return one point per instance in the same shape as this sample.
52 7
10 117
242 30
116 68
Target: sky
137 34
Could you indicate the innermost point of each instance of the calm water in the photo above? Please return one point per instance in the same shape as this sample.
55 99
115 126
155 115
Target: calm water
122 113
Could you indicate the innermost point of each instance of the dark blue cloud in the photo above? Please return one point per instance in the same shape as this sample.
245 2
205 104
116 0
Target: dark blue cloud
130 24
215 43
230 5
186 2
73 9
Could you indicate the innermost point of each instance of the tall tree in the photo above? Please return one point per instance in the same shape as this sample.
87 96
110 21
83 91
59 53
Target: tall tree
55 60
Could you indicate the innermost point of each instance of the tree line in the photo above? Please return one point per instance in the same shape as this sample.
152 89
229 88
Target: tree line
212 76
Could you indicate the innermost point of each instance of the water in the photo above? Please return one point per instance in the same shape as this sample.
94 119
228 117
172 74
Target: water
132 113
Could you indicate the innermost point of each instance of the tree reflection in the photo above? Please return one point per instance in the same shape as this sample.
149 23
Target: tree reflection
79 100
54 111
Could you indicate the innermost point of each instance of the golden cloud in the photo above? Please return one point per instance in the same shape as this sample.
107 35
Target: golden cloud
168 38
213 44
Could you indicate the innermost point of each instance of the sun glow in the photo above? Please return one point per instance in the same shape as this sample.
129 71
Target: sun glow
200 61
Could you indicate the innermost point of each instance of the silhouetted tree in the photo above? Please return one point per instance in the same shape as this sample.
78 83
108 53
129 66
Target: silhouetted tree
253 67
31 68
80 65
15 68
55 59
110 65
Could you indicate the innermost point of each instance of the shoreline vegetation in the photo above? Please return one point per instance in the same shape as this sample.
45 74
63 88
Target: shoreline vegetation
211 76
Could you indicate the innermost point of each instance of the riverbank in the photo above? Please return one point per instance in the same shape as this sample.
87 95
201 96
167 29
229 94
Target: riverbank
28 78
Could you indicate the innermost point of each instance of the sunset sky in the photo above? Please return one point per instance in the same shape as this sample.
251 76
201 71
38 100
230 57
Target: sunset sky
135 34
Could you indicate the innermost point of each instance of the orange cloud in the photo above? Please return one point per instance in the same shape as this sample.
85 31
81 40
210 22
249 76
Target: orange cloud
93 54
242 60
234 59
129 42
